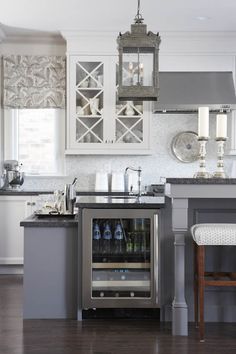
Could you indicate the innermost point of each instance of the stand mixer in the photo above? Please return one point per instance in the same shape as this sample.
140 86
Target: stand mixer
13 178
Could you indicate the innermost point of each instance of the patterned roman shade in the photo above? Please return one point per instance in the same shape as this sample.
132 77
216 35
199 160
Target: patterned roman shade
33 81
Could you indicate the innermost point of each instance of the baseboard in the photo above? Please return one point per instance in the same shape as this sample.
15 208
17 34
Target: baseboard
11 269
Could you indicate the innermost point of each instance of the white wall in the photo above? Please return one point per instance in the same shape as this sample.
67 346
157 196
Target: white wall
161 163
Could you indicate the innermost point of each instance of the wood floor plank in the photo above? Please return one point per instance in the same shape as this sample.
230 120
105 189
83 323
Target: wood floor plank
98 336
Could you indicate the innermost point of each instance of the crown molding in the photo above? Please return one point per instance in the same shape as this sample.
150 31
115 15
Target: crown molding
37 39
72 34
199 34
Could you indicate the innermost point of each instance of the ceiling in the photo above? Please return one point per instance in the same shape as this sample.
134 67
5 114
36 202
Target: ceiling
114 16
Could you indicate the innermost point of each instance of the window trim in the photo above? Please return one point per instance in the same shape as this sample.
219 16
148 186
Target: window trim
10 150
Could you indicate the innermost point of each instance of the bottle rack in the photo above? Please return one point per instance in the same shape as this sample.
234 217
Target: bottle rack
127 278
125 272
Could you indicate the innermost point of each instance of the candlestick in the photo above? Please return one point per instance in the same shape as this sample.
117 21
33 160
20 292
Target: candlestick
203 122
202 173
220 173
221 126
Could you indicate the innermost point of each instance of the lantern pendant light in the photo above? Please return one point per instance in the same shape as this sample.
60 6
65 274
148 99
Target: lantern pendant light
138 74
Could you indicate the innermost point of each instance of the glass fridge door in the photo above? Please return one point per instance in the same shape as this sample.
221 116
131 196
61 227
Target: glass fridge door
121 259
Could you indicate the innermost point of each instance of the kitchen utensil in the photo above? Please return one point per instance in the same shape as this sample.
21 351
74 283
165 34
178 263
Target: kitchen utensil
94 104
129 109
70 198
79 110
74 181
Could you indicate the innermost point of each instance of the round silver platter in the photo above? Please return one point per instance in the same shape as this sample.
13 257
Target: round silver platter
185 146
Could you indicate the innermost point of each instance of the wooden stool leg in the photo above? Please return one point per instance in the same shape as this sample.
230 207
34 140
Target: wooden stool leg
201 270
195 284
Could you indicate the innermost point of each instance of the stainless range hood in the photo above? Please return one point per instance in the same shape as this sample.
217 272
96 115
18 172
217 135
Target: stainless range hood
183 92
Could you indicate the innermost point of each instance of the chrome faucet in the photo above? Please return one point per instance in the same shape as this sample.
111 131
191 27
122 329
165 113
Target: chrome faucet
139 170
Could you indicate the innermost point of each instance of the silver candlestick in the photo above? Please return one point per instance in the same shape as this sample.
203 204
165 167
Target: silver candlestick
202 173
220 173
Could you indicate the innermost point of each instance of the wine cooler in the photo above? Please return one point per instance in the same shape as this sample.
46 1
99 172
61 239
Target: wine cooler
120 258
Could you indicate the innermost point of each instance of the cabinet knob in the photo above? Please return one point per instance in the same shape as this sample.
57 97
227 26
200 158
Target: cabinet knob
28 203
33 203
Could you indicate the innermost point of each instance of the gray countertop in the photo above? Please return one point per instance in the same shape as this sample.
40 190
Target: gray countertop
201 180
145 202
37 192
51 221
94 202
24 192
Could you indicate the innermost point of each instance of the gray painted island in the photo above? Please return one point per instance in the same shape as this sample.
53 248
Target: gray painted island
53 258
50 267
199 201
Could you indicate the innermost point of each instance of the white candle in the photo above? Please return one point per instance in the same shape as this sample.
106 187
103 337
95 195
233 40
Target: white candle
130 68
131 73
141 73
203 122
221 126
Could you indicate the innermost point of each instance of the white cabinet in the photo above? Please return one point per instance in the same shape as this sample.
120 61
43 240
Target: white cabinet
13 209
97 123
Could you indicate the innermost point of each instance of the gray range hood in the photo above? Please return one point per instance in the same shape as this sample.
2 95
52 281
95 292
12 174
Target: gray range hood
186 91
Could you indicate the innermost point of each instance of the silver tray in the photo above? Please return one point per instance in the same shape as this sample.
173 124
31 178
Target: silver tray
185 146
52 215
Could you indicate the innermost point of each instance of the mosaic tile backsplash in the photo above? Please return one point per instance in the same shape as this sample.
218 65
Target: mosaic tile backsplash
162 163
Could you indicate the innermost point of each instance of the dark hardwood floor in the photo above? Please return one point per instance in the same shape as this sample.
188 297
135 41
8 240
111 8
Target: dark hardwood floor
98 336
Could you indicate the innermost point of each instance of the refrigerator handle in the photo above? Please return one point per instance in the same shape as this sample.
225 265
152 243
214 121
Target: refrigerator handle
156 257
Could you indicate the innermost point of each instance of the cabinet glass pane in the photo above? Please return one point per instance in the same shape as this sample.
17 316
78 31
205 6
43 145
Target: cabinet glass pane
89 102
121 261
129 119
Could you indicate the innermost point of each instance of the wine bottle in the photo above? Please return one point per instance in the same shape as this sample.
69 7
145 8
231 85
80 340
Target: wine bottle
96 237
106 239
118 239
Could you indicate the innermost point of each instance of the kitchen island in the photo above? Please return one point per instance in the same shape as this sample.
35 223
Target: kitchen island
50 267
199 201
53 257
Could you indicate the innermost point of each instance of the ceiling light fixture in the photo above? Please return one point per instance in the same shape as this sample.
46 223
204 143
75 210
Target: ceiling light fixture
138 72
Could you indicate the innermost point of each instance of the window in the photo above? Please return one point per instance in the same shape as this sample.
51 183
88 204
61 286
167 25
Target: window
35 137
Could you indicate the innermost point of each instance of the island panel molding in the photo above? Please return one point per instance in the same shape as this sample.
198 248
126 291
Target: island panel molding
195 199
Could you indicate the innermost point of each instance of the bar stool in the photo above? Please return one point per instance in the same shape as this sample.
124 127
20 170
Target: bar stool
209 235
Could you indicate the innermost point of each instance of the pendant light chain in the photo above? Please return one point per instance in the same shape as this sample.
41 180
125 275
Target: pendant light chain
138 12
138 18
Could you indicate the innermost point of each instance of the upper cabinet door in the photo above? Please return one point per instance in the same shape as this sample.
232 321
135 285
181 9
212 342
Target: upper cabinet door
97 122
85 102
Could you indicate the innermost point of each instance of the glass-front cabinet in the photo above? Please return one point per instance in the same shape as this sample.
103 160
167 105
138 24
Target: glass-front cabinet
97 122
120 258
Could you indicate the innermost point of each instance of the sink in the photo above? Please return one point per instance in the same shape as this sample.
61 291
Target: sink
144 199
121 197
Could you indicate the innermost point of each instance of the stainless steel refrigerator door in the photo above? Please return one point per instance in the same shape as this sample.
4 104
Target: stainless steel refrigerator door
90 284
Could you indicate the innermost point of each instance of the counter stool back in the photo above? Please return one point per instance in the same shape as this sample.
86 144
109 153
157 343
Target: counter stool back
209 235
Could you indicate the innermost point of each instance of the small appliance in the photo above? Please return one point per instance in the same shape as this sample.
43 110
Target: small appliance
13 178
